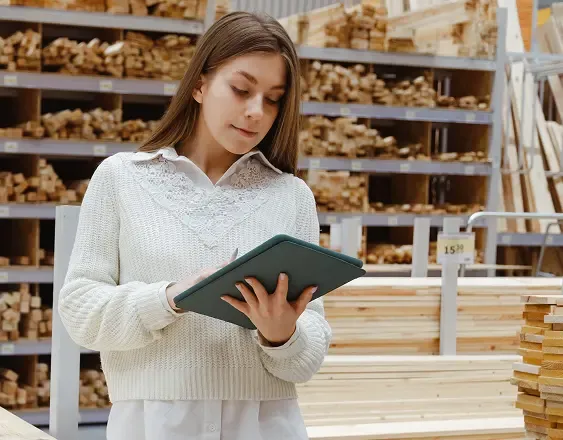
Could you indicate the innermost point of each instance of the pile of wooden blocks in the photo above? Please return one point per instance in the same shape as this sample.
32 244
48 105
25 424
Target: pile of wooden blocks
345 137
465 102
468 156
362 28
425 208
402 254
43 384
70 5
189 9
17 307
165 58
21 51
339 191
93 58
136 130
540 376
328 82
93 389
14 395
78 124
46 187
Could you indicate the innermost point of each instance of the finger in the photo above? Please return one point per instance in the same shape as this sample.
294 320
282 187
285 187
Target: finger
282 287
304 299
259 289
248 296
241 306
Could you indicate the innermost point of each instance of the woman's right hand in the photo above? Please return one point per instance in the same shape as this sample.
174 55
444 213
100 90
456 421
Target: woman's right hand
175 289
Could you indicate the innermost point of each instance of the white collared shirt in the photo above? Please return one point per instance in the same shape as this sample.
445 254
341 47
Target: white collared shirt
149 219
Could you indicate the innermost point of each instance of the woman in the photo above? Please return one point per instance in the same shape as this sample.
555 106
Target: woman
216 176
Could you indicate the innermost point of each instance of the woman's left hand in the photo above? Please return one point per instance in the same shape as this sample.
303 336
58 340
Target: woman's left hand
272 314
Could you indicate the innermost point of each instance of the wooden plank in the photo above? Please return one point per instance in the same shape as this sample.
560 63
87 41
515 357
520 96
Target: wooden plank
14 428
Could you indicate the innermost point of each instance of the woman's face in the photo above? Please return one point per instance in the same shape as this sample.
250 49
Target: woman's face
240 101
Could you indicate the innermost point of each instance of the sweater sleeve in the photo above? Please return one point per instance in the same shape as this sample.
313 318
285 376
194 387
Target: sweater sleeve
302 356
97 312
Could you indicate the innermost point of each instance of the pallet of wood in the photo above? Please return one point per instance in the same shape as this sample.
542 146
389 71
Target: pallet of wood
377 315
338 191
539 377
421 208
14 395
45 187
21 51
372 391
80 124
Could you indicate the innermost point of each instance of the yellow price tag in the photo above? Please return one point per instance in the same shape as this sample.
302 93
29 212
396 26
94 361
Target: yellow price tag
456 248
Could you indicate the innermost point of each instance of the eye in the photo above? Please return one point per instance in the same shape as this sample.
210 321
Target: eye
239 91
274 100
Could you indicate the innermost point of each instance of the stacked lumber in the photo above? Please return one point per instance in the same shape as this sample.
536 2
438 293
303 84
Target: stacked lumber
136 130
93 389
14 395
21 51
468 156
345 137
222 8
421 208
465 102
339 191
43 384
46 187
80 58
358 390
72 5
539 376
78 124
174 8
402 254
164 58
398 316
14 307
183 9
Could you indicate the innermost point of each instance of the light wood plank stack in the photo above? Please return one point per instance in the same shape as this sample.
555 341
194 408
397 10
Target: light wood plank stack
12 394
402 315
420 208
539 377
402 254
21 51
338 191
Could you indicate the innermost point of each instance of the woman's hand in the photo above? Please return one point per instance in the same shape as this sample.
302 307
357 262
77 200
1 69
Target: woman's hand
274 317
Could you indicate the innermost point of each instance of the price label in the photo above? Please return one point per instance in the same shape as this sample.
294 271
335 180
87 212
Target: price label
106 85
470 117
99 150
11 80
392 221
170 89
410 114
469 170
331 219
3 277
314 164
456 248
506 239
4 211
8 349
356 165
549 241
345 111
11 147
405 167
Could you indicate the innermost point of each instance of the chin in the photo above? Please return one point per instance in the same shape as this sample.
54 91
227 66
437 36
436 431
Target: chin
235 146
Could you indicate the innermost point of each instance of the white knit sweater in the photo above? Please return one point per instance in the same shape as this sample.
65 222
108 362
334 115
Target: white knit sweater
149 219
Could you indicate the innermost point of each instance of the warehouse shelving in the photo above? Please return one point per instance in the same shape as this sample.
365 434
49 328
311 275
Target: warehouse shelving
529 239
40 417
14 275
27 347
100 20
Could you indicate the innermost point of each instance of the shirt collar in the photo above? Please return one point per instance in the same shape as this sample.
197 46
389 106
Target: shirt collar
170 153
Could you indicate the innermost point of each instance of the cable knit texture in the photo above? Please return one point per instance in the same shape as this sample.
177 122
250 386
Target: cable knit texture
149 219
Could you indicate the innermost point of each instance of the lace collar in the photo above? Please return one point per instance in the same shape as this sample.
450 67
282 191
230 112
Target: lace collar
170 153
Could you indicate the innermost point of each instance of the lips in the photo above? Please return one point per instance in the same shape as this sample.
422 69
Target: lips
246 133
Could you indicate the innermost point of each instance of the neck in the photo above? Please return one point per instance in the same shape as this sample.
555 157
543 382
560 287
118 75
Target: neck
207 154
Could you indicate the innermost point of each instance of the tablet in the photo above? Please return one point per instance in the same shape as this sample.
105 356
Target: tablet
305 264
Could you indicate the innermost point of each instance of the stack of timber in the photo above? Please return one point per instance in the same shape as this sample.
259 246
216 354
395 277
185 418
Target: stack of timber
402 254
374 315
21 51
420 208
455 28
539 377
329 82
338 191
14 395
45 187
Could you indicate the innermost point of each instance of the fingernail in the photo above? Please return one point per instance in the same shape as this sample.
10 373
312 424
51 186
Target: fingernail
238 286
248 280
283 276
314 289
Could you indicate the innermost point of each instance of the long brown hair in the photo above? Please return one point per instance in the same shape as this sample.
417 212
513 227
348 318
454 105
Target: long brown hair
236 34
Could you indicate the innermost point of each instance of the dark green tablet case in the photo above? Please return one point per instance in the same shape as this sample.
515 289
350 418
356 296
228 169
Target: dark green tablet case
305 264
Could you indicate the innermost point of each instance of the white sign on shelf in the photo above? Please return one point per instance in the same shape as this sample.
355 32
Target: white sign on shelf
392 221
4 211
10 80
7 348
170 89
410 114
314 164
3 277
345 111
106 85
456 248
100 150
11 147
470 117
356 165
469 170
405 167
331 219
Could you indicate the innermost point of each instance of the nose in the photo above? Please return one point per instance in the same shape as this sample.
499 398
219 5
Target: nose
255 107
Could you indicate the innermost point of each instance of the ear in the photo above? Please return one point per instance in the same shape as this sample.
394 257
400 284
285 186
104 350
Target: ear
198 89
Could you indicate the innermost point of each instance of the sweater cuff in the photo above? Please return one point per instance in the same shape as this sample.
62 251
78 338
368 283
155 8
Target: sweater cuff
152 310
296 344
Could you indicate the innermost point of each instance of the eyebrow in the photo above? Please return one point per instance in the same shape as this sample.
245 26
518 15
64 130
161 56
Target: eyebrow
253 80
